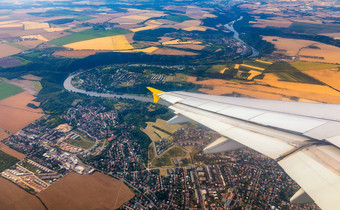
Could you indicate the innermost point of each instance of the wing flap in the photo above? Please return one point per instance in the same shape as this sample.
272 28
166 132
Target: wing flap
316 170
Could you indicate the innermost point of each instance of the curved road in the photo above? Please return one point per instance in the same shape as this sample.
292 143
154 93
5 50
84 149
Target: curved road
68 86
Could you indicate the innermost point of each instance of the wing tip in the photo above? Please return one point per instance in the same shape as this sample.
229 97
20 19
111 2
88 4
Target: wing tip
155 93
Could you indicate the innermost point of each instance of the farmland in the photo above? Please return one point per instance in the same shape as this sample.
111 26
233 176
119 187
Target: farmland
11 152
177 18
155 133
15 108
13 197
10 62
117 42
80 191
6 161
87 35
305 66
76 53
7 90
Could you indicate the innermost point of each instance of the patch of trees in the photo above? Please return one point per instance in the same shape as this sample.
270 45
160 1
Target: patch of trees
152 35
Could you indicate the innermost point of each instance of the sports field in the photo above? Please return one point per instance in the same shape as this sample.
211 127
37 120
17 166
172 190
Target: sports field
87 35
7 90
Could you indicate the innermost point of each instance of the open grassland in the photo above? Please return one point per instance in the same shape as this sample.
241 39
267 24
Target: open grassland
189 46
7 90
11 151
13 197
82 141
7 50
96 191
304 66
160 129
38 36
218 68
118 42
166 158
15 109
87 35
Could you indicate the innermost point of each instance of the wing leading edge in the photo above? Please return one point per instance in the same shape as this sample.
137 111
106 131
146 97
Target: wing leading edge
304 138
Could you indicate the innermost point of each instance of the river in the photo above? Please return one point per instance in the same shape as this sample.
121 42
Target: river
230 27
68 86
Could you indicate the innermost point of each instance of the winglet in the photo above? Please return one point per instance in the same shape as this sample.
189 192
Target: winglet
155 93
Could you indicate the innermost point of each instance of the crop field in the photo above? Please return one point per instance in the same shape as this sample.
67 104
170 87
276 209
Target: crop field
6 161
189 46
252 67
118 42
217 68
327 76
76 53
275 91
29 44
7 90
253 74
290 46
166 158
10 62
87 35
305 66
13 197
323 53
279 23
15 108
11 151
311 28
177 18
38 36
167 51
144 28
32 87
28 25
3 135
8 50
83 18
96 191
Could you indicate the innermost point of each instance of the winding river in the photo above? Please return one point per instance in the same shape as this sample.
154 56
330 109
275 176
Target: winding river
68 86
230 27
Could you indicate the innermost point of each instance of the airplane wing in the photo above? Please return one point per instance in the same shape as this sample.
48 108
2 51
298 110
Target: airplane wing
304 138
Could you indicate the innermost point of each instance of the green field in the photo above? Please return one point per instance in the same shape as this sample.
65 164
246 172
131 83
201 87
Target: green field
21 47
86 35
165 159
177 18
6 161
257 64
216 68
30 167
310 28
286 72
303 66
7 90
83 18
82 141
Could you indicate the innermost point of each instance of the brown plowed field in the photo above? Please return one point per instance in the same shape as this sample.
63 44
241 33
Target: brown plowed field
96 191
15 115
11 152
13 197
164 51
77 53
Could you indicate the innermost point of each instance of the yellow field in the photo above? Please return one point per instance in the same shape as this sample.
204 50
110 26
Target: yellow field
148 50
330 77
55 29
262 61
28 25
223 70
144 28
253 74
237 66
209 15
38 36
291 46
253 67
118 42
150 131
177 41
330 54
195 28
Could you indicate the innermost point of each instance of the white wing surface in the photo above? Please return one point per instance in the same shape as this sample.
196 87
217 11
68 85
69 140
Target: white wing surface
304 138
